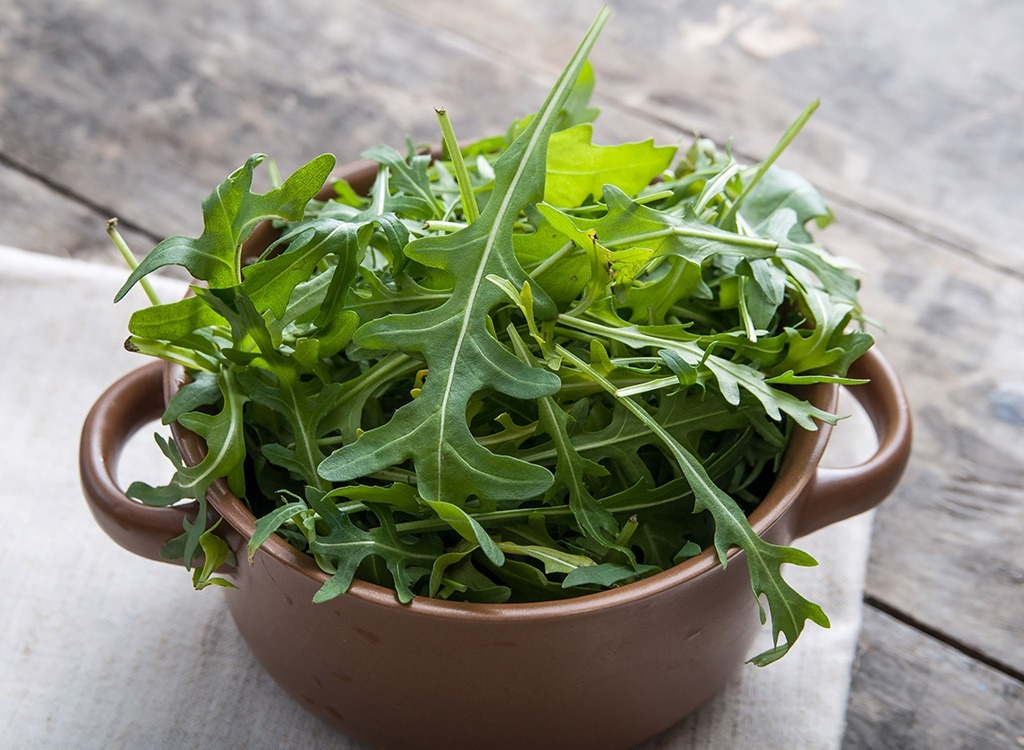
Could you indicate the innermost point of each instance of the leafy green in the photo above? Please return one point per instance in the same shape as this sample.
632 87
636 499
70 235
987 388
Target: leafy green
514 372
578 169
229 216
463 356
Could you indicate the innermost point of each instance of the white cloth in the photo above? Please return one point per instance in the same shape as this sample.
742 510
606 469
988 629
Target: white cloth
103 649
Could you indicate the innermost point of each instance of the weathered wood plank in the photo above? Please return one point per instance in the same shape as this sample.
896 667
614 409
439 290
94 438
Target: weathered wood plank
38 218
146 106
945 544
922 109
913 693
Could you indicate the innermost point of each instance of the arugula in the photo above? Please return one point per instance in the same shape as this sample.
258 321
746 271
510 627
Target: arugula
530 368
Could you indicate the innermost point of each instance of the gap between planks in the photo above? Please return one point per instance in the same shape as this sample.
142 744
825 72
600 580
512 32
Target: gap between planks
969 651
104 211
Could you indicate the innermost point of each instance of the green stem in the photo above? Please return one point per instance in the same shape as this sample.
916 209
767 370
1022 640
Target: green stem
728 239
129 258
470 209
787 138
652 197
554 258
381 189
443 226
187 358
275 175
748 322
484 519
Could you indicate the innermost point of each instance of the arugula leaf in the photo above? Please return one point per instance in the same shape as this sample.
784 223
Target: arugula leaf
229 215
215 553
346 546
270 523
577 169
780 189
554 560
462 355
789 610
606 575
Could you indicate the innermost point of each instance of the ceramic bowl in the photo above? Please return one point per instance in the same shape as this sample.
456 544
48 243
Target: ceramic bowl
606 670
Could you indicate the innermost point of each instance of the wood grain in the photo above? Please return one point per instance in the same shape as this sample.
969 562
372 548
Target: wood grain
943 550
147 108
910 692
40 218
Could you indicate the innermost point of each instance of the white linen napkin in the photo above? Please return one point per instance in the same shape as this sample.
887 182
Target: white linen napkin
103 649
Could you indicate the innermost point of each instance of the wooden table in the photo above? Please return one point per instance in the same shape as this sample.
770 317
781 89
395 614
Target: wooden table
136 109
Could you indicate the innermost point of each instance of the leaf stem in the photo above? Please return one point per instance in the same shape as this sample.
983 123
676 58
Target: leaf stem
274 174
443 226
716 236
554 258
784 141
470 209
652 197
129 258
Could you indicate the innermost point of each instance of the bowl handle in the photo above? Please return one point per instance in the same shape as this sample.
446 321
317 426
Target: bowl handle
839 493
126 406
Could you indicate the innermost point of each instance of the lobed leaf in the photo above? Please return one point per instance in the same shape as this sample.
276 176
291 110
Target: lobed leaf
230 213
577 169
462 355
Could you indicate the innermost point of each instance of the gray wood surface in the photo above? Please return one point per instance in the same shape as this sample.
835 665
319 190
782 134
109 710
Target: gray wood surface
912 692
137 108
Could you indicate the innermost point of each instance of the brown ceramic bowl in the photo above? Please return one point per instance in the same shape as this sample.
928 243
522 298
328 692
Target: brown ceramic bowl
606 670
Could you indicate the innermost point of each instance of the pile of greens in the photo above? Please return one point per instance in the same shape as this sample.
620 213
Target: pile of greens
533 368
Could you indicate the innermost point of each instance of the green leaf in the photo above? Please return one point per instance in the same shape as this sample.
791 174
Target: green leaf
229 215
825 345
628 224
528 582
346 546
789 610
174 320
577 109
215 553
462 355
563 280
577 169
225 449
478 587
468 528
270 523
397 495
790 378
158 497
203 390
304 404
607 575
269 285
780 189
572 469
441 565
688 550
554 560
410 175
731 376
